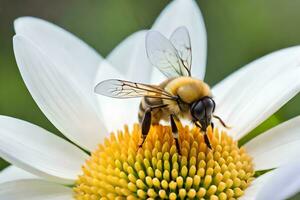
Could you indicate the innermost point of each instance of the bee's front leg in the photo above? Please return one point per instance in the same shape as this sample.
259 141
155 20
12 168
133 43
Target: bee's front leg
206 139
212 125
175 131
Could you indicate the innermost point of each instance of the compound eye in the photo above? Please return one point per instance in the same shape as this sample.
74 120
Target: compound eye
209 105
198 110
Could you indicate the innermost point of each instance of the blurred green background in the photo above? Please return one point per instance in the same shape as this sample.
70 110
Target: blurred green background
238 32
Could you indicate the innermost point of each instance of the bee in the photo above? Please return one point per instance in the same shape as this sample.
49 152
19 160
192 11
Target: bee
179 96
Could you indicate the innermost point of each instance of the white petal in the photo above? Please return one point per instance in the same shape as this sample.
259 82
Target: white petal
119 112
13 173
277 146
253 93
34 190
283 183
116 112
59 95
130 58
65 50
40 152
184 13
256 186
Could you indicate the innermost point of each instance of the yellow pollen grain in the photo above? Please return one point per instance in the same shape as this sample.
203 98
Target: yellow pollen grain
119 169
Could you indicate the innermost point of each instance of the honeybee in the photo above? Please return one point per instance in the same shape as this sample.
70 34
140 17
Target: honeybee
179 96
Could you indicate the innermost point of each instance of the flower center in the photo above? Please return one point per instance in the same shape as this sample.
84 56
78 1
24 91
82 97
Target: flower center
119 168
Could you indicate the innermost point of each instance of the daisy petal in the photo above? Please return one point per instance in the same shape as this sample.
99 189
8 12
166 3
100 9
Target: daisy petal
13 173
184 13
256 186
116 112
59 95
40 152
130 58
282 141
34 190
283 183
253 93
66 51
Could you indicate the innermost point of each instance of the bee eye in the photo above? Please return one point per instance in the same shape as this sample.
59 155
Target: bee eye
203 108
198 110
209 105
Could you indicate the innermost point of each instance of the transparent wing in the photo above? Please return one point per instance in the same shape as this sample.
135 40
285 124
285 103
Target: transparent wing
163 55
125 89
180 38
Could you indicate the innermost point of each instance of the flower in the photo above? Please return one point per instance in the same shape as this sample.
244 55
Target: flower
157 170
59 71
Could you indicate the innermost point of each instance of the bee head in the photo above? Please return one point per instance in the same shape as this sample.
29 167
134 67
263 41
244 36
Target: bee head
202 111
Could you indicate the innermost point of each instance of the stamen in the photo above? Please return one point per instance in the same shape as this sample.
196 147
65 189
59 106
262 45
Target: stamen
119 169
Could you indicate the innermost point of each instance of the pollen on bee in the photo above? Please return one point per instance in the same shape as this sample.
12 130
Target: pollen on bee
119 169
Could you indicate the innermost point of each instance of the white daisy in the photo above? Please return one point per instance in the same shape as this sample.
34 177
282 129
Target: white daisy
60 71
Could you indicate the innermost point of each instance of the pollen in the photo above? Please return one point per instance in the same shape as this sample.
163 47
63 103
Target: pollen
120 169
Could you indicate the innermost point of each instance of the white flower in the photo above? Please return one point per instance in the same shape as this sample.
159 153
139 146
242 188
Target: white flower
60 71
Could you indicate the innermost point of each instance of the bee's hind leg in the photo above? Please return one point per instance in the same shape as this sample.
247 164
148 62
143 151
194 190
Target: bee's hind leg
175 131
146 123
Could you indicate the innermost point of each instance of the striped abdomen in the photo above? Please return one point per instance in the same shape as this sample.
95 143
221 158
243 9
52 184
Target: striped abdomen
147 103
157 114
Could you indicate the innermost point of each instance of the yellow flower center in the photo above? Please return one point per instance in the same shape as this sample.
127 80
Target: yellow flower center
119 169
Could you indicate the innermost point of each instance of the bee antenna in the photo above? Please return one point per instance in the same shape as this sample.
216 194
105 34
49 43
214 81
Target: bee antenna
222 122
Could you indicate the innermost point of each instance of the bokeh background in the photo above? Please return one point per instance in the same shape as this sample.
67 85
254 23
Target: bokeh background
238 32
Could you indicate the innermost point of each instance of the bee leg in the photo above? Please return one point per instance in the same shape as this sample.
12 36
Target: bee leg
206 140
146 123
212 125
175 132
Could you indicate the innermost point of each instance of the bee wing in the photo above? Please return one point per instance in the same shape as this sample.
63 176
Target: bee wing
180 38
125 89
163 55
